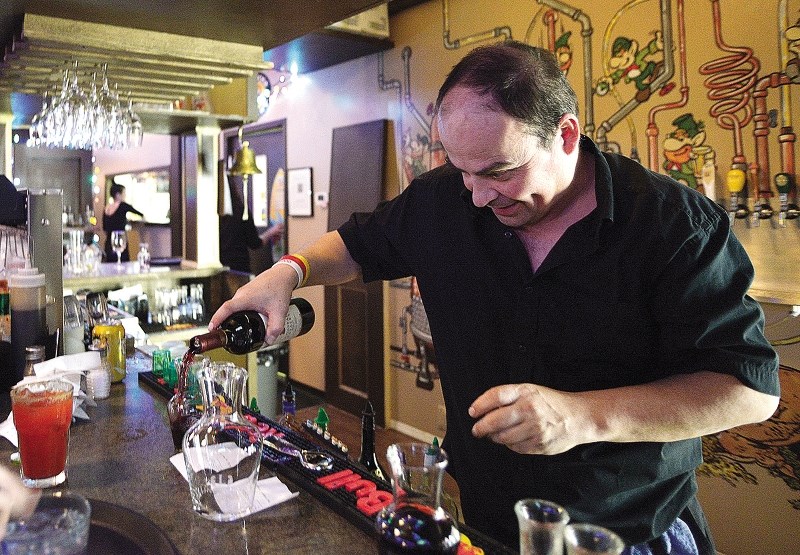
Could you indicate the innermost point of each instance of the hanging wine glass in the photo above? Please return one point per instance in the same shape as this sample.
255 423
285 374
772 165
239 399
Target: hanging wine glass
106 111
97 115
37 122
77 124
133 124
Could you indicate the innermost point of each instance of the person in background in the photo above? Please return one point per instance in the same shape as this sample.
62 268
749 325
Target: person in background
115 218
590 317
16 501
237 234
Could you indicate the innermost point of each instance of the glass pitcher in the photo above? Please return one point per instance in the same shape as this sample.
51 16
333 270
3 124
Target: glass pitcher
415 521
222 450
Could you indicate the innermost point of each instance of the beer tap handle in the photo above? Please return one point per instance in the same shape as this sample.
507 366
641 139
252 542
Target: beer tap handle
783 186
735 180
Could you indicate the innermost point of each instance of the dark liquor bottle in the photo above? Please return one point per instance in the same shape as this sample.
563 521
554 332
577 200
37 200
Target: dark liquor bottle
244 332
368 459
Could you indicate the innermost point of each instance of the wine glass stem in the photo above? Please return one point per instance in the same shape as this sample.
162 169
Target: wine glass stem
119 259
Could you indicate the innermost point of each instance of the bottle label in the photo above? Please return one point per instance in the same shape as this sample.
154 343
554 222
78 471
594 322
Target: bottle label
293 326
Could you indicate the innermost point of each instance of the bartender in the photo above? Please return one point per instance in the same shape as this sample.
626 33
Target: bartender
590 317
115 218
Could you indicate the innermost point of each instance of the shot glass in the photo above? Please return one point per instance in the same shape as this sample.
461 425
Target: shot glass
42 415
58 526
541 527
588 539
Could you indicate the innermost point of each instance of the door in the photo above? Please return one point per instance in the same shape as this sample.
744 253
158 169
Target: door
266 194
354 310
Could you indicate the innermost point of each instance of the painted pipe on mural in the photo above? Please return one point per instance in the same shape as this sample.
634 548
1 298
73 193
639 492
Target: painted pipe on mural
730 79
666 74
504 32
586 34
652 128
761 131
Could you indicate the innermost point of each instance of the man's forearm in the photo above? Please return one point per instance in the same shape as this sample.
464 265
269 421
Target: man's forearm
679 407
329 261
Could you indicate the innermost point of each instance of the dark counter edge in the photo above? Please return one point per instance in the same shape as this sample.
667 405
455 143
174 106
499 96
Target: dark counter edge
489 545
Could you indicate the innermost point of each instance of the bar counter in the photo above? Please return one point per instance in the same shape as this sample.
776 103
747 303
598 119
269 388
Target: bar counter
121 456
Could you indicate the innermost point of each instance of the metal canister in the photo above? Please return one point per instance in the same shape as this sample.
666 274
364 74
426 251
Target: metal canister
112 335
34 354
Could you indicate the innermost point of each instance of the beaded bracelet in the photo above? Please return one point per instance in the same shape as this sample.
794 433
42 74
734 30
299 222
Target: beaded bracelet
300 265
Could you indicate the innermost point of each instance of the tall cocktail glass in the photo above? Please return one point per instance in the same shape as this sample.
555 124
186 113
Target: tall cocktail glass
42 414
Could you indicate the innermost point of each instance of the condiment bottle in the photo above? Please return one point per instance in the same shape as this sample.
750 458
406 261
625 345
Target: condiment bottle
28 313
98 380
245 331
289 406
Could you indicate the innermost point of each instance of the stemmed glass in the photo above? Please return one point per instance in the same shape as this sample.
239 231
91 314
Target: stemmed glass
118 242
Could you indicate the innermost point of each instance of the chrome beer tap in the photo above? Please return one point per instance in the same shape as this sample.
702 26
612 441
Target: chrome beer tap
735 181
783 185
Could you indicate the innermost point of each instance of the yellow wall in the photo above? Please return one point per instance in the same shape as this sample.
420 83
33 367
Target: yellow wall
428 44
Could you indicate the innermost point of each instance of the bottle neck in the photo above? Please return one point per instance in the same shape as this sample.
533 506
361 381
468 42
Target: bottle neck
207 341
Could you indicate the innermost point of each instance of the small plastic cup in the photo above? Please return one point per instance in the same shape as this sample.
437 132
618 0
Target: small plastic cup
162 360
59 525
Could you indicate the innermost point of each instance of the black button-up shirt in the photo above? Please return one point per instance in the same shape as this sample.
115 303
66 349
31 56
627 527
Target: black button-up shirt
650 284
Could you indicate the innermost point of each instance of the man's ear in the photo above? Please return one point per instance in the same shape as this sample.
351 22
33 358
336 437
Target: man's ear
569 131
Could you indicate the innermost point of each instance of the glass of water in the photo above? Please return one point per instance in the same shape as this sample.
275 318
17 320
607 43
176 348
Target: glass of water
58 526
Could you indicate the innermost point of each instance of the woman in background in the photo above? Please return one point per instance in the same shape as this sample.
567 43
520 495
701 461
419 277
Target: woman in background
115 218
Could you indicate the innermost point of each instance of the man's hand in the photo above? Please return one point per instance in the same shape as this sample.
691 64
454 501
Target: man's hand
16 501
269 293
528 419
538 420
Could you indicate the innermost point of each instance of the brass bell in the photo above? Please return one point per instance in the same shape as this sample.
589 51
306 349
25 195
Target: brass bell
245 163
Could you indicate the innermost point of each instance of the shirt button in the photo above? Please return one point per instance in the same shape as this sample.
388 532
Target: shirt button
522 348
508 234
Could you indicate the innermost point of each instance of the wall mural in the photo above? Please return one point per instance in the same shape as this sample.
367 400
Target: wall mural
772 445
648 71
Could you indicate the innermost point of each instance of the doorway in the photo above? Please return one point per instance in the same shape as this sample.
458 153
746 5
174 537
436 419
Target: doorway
265 197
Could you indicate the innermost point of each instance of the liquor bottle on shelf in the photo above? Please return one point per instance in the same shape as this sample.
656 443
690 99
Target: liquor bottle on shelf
244 332
368 459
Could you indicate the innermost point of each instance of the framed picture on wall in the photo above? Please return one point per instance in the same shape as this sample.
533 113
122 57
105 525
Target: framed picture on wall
301 191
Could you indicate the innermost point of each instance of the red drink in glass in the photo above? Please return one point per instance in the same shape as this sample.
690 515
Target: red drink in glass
42 415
